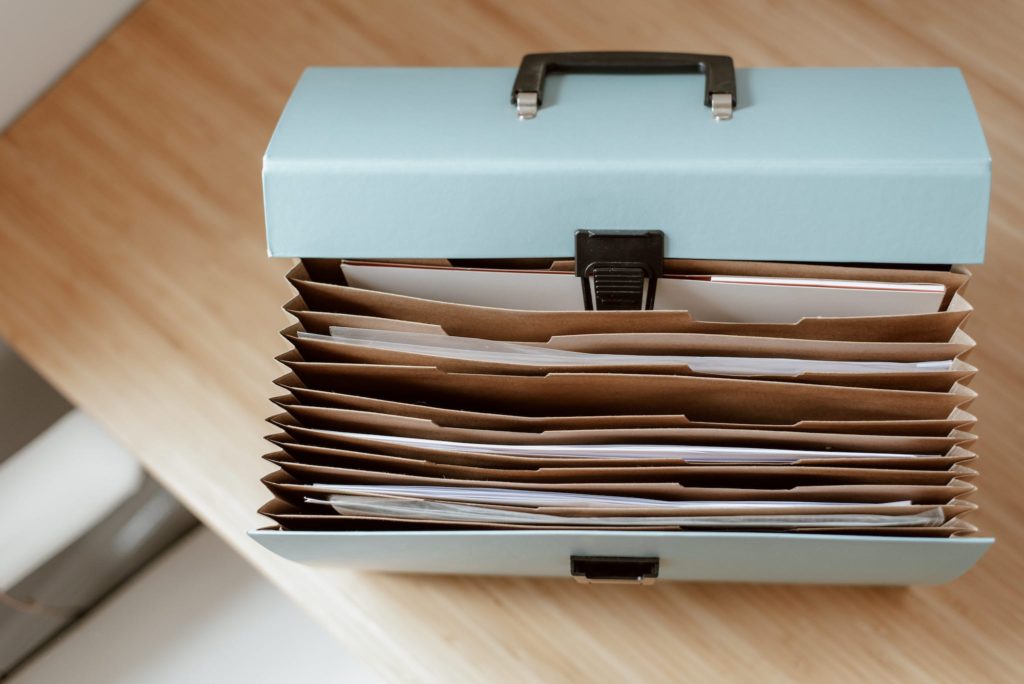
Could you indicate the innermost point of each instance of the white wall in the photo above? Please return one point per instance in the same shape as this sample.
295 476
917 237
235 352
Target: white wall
199 614
41 39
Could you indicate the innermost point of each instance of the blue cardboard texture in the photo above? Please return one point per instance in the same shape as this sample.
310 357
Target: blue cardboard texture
835 165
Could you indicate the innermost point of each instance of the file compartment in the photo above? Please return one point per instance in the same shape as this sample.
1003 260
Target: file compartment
461 417
313 464
703 399
828 413
538 326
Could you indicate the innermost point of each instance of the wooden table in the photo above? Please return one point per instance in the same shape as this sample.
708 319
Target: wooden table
134 276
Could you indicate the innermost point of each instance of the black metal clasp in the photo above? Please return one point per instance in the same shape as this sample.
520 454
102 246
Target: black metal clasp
619 268
614 569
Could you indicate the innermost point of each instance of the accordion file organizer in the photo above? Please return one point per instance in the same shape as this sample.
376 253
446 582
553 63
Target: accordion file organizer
628 316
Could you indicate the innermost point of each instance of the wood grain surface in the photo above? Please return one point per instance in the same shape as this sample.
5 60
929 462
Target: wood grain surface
133 274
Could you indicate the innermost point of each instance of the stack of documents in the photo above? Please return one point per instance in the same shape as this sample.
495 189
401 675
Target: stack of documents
754 397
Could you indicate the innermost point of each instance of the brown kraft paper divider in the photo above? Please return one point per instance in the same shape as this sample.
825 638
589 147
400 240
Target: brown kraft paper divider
539 326
350 523
336 351
858 497
674 491
283 514
334 522
343 523
365 442
362 443
318 517
951 528
316 464
958 420
303 447
696 344
344 420
953 279
701 399
309 517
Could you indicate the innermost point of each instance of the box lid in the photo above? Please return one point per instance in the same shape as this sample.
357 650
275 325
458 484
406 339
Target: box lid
838 165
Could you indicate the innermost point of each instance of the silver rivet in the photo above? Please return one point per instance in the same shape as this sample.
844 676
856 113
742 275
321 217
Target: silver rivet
721 106
526 105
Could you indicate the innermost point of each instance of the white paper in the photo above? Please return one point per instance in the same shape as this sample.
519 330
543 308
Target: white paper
738 299
685 454
746 516
517 353
525 290
498 496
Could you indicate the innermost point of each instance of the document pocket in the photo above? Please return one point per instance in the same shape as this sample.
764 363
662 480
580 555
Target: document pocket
699 351
435 409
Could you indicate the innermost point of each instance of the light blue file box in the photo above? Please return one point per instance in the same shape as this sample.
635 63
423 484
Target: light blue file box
820 165
850 165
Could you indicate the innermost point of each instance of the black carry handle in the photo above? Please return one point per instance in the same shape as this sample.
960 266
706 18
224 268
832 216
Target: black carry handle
718 70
